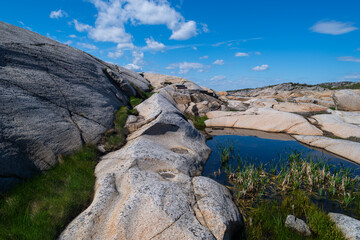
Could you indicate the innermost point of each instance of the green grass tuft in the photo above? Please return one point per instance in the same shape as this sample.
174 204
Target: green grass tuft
116 138
41 207
199 122
134 101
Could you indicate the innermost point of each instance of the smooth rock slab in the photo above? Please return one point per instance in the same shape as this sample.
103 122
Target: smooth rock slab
335 124
344 148
349 226
266 120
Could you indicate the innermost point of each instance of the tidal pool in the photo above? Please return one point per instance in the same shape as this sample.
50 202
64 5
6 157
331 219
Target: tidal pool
263 147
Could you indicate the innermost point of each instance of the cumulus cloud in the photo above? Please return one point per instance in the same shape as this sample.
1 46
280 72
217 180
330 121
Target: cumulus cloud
218 78
241 54
187 30
87 45
80 27
138 57
219 62
113 15
154 45
261 68
73 36
204 57
349 59
205 27
58 14
333 27
185 67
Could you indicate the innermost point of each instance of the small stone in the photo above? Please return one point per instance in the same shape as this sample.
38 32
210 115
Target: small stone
297 225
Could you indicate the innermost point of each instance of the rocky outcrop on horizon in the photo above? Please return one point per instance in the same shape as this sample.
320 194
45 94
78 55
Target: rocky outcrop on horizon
53 99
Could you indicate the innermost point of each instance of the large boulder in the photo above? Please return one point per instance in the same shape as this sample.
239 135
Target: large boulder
349 226
149 189
346 100
53 99
264 119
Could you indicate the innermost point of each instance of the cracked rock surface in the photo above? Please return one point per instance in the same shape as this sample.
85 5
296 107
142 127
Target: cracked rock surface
53 99
149 189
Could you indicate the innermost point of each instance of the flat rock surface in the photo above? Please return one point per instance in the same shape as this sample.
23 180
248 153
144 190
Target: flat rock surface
266 119
349 226
344 148
347 100
149 189
53 99
299 107
335 124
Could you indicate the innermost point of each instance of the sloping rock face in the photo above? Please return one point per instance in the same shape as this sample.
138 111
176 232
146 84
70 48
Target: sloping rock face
53 99
149 189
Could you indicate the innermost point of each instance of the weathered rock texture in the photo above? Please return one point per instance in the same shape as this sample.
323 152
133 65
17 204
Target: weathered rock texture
350 227
297 225
344 148
346 100
264 119
149 189
53 98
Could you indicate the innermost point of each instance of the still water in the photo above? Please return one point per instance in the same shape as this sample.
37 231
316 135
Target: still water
262 147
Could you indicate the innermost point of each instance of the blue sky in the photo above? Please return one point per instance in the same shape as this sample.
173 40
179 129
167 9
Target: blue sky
228 44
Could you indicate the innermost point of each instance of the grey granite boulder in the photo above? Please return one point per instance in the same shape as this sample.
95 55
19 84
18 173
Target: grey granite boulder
349 226
297 225
53 99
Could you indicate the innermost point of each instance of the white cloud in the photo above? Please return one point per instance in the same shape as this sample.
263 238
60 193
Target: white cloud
204 57
113 15
154 45
187 30
134 67
241 54
138 57
195 48
117 54
261 68
333 27
218 78
87 45
73 36
349 59
80 27
185 67
58 14
219 62
257 53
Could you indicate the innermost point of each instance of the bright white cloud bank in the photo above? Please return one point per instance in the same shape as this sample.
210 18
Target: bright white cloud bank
261 68
333 27
113 15
58 14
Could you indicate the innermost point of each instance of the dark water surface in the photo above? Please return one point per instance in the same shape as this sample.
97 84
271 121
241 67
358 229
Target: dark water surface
262 147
